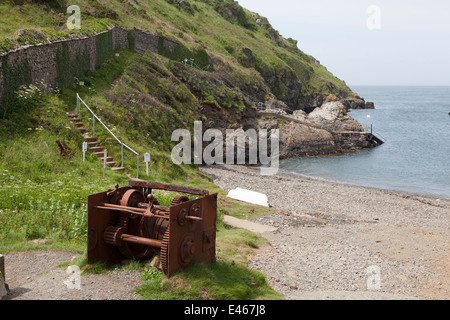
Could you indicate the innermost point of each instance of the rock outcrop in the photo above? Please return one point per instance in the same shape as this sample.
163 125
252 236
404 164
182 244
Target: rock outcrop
333 117
297 139
357 103
327 130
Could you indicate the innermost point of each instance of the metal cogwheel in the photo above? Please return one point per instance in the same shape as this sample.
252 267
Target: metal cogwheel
164 253
179 199
134 226
131 198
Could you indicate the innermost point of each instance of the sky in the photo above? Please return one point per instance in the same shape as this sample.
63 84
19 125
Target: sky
368 42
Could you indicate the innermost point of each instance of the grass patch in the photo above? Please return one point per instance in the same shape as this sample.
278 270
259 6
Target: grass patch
219 281
227 279
198 29
42 193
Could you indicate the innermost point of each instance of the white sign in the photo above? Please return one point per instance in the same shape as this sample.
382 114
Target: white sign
84 150
147 160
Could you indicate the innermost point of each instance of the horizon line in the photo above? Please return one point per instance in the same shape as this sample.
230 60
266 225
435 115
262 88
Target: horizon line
398 85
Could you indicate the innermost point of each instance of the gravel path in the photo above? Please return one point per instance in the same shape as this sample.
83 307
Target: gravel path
338 241
332 241
35 275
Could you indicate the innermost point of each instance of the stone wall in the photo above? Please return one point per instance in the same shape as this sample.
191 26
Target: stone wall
120 38
144 41
43 58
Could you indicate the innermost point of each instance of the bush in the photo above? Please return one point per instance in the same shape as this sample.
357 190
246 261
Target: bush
30 97
234 13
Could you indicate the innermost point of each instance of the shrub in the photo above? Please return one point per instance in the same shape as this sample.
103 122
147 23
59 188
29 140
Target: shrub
30 97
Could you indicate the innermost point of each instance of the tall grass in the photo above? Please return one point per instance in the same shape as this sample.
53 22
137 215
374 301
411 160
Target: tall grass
42 194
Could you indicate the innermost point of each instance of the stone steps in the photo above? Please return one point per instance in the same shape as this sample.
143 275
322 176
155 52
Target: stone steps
96 149
92 142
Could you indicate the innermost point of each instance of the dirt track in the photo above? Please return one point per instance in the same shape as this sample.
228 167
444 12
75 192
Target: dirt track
35 275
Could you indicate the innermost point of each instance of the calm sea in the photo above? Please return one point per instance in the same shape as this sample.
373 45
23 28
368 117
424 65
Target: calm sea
414 122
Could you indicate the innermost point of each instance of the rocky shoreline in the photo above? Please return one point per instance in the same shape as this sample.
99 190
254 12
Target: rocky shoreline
331 237
328 130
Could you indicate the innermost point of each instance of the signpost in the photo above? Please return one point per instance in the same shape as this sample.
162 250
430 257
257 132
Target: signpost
84 150
147 160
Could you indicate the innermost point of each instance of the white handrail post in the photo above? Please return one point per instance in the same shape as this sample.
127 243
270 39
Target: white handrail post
122 153
137 174
105 155
93 124
121 150
78 104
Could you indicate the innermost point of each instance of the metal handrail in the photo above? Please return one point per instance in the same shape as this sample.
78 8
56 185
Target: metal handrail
94 116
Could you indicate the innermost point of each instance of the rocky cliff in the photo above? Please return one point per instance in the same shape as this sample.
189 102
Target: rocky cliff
216 61
327 130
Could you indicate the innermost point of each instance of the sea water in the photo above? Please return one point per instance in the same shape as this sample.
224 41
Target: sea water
414 123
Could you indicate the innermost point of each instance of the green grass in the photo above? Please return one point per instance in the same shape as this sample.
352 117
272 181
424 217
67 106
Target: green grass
219 281
227 279
42 193
142 98
202 27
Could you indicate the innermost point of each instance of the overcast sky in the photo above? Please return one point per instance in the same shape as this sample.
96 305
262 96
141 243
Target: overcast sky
374 42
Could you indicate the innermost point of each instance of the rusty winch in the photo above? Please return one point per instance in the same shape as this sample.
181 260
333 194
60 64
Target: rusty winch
129 223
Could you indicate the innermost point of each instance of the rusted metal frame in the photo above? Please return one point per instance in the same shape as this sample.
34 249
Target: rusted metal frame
118 206
137 211
140 240
190 242
184 233
168 187
141 212
117 209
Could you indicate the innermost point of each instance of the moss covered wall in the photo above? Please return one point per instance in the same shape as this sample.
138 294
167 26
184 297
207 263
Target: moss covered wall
58 64
14 76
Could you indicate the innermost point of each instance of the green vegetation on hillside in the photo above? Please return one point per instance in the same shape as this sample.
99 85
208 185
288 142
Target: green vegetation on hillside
224 55
42 193
240 46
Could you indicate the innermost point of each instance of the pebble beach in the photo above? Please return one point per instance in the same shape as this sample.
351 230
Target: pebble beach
336 241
